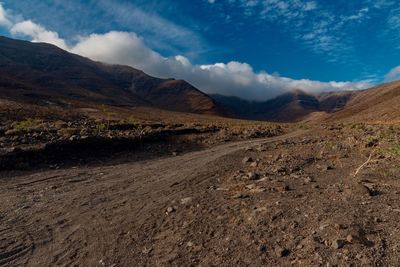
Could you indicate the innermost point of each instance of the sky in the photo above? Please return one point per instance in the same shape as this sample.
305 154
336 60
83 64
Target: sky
253 49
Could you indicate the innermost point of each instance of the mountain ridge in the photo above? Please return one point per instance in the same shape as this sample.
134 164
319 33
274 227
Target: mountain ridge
39 73
289 107
38 70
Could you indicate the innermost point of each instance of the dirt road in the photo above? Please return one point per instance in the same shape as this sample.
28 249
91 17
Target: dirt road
105 216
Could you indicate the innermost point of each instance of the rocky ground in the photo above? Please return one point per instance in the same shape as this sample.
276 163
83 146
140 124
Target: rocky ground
319 196
41 142
329 198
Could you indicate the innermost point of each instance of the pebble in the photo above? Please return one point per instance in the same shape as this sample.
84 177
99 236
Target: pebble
340 226
282 252
170 210
308 180
240 195
338 243
186 200
283 188
262 248
350 238
147 250
254 164
247 160
252 176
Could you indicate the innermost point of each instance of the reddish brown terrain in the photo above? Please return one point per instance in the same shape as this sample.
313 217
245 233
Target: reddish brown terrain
380 104
100 167
46 75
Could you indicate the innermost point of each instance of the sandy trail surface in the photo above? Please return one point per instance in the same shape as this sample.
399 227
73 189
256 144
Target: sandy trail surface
104 216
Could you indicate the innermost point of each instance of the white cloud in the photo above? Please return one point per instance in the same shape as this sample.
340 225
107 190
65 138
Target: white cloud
232 79
4 20
394 74
37 33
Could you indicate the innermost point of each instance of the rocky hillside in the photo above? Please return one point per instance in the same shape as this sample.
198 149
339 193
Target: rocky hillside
289 107
378 104
39 73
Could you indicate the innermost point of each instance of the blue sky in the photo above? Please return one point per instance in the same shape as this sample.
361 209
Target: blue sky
318 41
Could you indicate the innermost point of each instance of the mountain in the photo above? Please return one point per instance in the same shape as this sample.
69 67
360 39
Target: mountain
289 107
37 72
334 101
378 104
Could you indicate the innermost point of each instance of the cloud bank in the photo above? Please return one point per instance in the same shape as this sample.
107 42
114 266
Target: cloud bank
394 74
4 21
37 33
127 48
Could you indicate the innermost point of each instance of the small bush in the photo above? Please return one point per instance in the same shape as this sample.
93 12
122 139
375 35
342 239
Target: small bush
395 150
304 126
22 127
101 127
67 132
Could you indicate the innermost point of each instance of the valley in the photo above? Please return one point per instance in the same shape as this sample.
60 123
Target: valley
104 165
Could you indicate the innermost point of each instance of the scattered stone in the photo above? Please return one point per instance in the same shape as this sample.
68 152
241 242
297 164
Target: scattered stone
240 196
147 250
371 189
251 186
280 169
308 180
252 176
322 227
175 153
254 164
262 248
261 149
363 190
247 160
189 244
359 237
170 210
338 243
351 238
74 138
282 252
283 188
186 200
340 226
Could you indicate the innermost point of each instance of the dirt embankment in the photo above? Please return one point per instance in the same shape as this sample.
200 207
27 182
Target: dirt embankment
39 143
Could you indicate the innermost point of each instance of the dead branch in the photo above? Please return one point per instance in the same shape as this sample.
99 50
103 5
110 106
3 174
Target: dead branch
363 165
